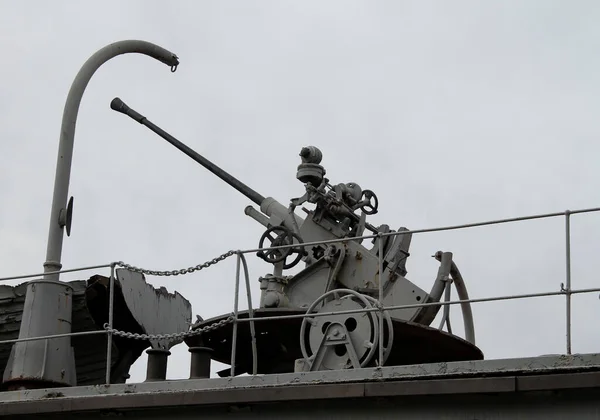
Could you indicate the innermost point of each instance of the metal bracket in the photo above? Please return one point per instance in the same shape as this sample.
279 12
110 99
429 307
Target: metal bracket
65 217
335 335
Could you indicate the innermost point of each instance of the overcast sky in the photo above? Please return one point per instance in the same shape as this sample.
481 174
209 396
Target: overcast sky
452 112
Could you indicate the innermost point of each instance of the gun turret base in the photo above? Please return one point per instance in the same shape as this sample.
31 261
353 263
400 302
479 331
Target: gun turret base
278 343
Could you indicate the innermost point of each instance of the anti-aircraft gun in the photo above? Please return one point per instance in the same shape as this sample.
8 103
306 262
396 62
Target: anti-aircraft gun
339 278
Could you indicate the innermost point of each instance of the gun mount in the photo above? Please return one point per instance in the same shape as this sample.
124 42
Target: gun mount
340 275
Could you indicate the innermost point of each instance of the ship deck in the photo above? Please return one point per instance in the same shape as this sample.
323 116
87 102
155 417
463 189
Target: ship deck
510 388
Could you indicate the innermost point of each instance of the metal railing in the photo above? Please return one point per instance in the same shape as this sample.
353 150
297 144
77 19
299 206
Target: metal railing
566 288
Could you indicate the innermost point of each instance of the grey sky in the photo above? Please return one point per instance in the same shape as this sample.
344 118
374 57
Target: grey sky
451 112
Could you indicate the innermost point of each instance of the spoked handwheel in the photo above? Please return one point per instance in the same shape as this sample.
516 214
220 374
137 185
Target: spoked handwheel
280 236
369 202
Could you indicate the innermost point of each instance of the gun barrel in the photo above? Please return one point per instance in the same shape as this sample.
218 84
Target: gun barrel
120 106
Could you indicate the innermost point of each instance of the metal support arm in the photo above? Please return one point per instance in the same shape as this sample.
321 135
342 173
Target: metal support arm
67 136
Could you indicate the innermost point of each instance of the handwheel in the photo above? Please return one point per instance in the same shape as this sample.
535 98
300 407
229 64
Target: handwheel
371 203
284 237
362 328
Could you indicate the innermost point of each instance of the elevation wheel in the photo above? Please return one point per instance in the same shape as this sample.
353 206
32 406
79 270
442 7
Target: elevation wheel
362 329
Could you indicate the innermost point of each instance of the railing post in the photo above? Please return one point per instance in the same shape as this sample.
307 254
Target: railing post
109 337
380 242
250 315
567 288
235 312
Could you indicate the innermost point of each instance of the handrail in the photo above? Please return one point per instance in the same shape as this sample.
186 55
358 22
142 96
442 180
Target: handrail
566 213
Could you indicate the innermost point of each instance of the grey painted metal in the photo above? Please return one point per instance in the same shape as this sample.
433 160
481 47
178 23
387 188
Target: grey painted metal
67 135
439 284
276 211
453 302
200 362
465 305
446 310
356 266
480 368
568 277
251 314
386 319
302 287
111 315
53 361
429 230
380 298
356 402
156 369
49 337
356 238
280 215
236 298
335 337
360 338
476 300
374 391
118 105
279 343
156 310
258 216
88 339
49 361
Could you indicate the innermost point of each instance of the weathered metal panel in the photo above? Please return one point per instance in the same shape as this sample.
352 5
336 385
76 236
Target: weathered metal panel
515 382
441 386
544 366
156 310
341 401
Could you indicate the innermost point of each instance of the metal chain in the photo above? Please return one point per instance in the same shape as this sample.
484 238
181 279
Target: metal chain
176 272
174 336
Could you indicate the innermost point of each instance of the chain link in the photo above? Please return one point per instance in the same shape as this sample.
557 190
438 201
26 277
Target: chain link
176 272
180 335
174 336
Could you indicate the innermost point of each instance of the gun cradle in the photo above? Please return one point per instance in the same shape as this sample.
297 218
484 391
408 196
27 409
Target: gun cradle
358 270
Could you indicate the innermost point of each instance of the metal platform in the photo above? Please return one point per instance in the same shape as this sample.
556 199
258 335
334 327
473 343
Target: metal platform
277 342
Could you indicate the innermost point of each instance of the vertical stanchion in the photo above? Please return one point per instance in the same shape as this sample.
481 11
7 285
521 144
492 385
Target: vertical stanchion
567 287
251 315
380 239
111 302
235 313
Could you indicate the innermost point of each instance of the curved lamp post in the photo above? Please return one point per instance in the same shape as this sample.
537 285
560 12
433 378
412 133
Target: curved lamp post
48 303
